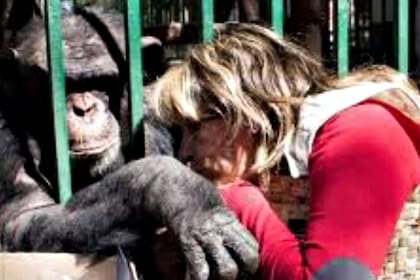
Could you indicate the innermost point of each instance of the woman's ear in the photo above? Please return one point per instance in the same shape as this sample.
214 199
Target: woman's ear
254 130
245 143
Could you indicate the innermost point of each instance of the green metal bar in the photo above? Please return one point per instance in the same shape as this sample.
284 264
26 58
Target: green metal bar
134 58
277 16
181 10
57 84
207 18
342 37
402 7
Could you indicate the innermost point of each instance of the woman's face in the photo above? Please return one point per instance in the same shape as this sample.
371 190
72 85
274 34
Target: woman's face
206 148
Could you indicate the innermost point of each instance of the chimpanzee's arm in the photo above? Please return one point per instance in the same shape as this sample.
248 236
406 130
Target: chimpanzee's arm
122 206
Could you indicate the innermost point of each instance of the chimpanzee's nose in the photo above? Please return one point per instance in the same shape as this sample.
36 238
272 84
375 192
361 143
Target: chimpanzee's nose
84 104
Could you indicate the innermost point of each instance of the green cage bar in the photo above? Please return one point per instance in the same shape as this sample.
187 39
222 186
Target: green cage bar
57 85
207 20
342 37
402 53
277 16
134 58
181 6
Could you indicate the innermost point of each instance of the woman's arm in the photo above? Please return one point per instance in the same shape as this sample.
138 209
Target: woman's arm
362 168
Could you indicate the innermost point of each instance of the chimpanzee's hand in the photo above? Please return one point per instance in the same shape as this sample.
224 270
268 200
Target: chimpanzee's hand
214 243
216 233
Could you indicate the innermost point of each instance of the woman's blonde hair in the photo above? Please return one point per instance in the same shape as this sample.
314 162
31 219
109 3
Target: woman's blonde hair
247 75
378 73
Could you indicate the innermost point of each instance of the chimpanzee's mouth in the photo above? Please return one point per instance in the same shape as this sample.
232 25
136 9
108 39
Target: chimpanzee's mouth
84 149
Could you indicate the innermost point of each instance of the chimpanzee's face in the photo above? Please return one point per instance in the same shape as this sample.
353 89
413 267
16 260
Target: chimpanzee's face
95 139
94 85
92 127
95 82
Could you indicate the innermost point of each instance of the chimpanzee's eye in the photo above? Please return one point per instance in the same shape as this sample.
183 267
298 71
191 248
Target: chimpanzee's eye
105 83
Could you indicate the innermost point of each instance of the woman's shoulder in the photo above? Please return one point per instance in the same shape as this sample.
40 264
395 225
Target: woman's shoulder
365 144
366 128
346 116
367 116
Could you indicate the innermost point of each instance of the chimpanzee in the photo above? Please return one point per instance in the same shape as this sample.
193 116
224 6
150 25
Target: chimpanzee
249 10
119 200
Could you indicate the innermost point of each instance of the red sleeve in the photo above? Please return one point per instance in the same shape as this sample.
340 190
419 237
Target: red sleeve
362 167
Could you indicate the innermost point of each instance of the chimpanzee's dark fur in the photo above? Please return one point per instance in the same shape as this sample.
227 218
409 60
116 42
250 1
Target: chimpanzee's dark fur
119 200
26 108
89 69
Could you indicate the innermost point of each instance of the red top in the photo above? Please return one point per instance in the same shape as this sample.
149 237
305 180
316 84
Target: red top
363 166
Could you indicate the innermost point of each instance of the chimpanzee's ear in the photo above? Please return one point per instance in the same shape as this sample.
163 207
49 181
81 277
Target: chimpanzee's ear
8 54
10 64
153 58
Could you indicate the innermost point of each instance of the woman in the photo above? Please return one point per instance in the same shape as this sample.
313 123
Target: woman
252 105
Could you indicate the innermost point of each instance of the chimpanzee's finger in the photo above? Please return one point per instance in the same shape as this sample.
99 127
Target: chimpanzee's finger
222 266
225 221
195 258
242 247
